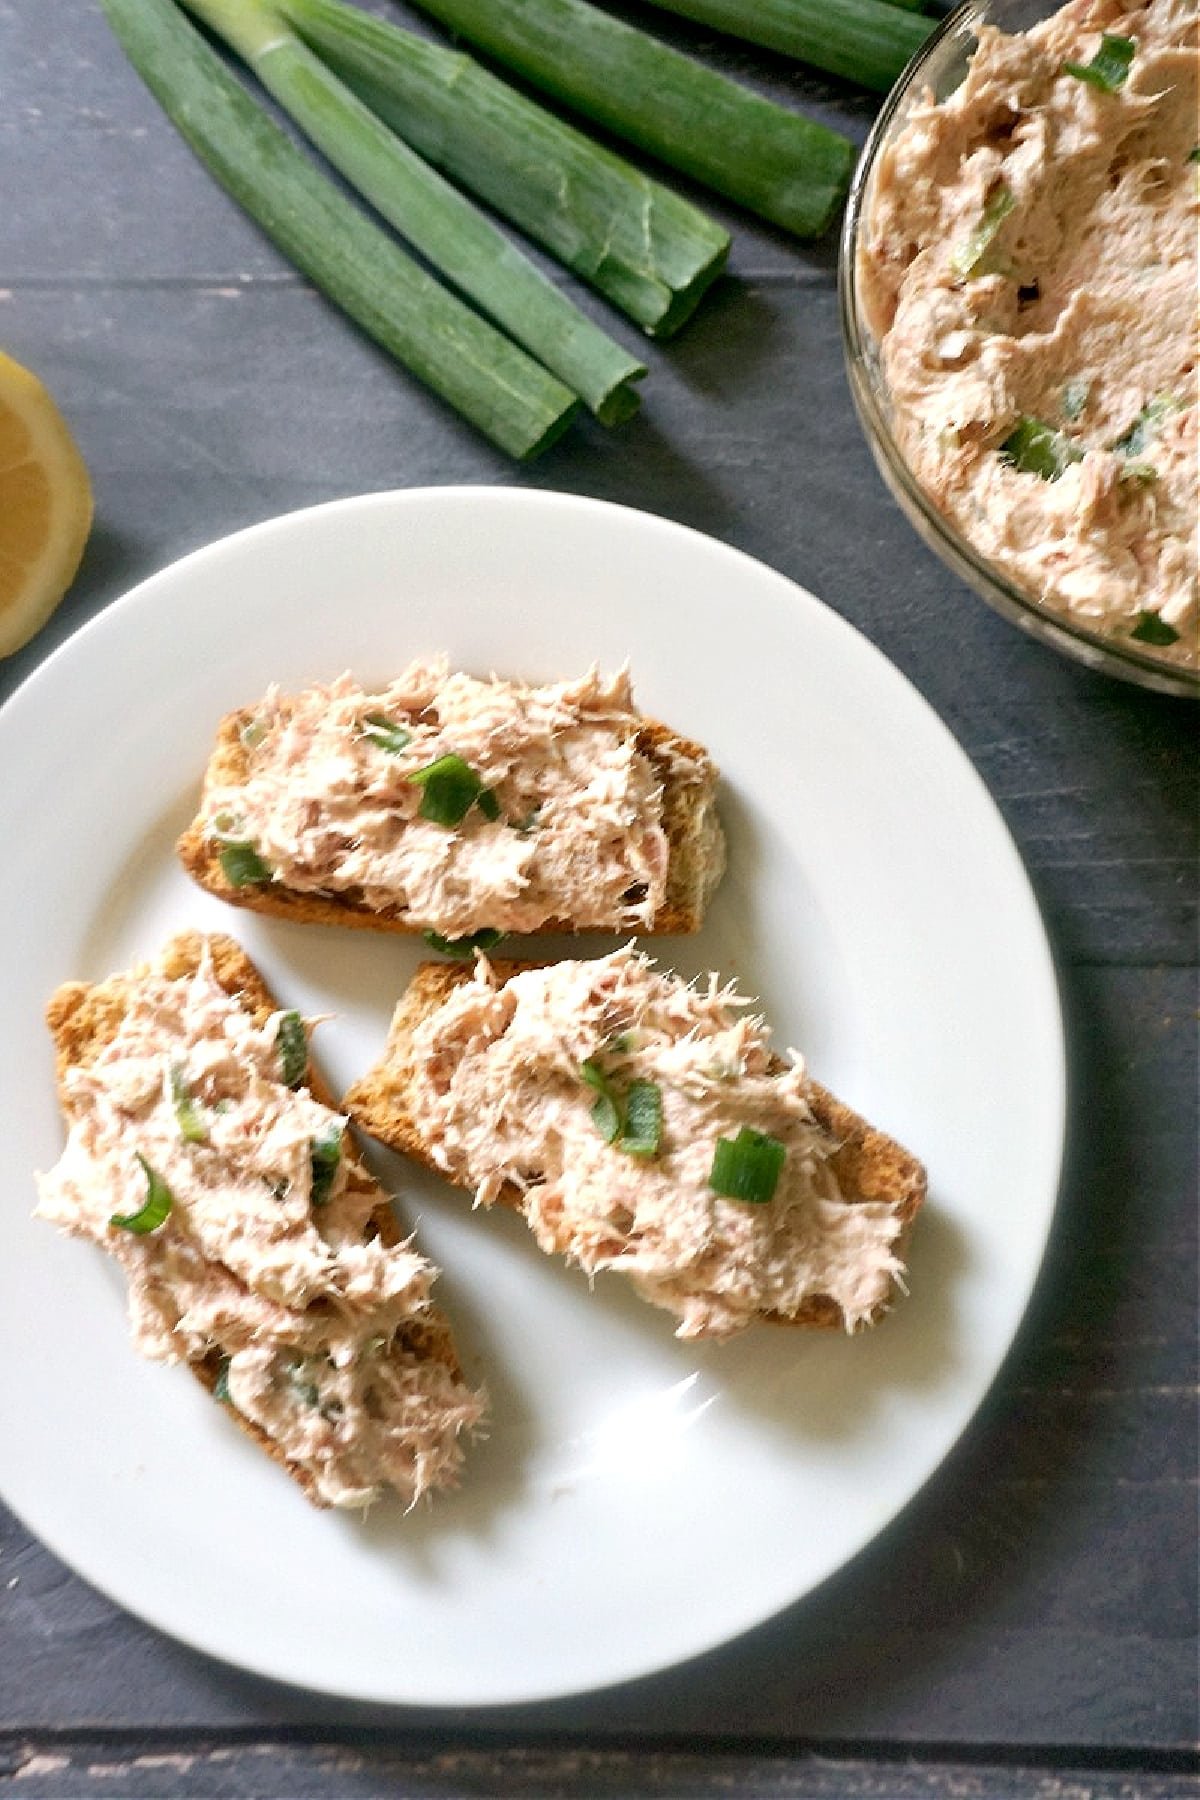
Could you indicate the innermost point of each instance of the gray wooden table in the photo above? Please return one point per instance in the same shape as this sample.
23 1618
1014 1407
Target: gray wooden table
1028 1625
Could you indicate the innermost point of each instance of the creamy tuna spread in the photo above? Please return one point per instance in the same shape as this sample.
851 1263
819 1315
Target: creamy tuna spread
1030 267
504 1107
265 1256
563 815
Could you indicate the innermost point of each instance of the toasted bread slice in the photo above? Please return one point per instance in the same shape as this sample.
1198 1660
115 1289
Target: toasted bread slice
869 1165
693 831
83 1018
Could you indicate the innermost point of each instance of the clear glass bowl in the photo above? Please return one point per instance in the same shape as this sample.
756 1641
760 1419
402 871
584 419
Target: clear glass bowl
940 66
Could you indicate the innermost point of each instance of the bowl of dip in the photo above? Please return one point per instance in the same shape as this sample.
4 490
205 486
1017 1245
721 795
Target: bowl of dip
1018 282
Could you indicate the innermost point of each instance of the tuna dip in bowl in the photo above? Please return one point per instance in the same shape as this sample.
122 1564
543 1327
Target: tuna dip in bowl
1019 287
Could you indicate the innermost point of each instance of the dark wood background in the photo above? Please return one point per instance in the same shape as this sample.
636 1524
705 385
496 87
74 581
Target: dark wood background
1028 1626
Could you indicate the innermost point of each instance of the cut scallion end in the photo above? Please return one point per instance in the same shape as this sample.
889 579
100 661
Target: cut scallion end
1150 629
488 805
642 1135
1109 68
773 161
188 1115
1036 448
385 733
459 241
868 41
747 1167
291 1041
243 866
646 249
464 948
155 1209
516 402
449 789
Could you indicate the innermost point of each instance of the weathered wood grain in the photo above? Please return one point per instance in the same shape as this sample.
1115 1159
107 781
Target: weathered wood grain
167 1769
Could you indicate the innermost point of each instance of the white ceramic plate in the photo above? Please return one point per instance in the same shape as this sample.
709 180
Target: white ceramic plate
638 1499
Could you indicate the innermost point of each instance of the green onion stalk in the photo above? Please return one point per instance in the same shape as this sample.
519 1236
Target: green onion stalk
789 169
516 402
649 251
867 41
450 232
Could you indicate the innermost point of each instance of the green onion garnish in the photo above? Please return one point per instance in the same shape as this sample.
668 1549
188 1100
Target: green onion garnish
1145 427
970 257
464 947
1193 155
1038 449
188 1116
243 866
1075 397
386 734
488 805
1109 68
642 1135
221 1384
252 733
450 789
606 1113
1139 471
1150 629
747 1167
325 1153
291 1040
154 1209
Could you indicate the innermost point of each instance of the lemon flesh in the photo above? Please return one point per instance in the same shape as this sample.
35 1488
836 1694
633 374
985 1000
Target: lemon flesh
45 505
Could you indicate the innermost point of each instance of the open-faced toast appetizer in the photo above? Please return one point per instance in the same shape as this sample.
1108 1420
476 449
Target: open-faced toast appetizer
203 1154
460 807
644 1125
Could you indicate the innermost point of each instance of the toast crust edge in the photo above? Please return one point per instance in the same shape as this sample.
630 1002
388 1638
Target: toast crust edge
870 1166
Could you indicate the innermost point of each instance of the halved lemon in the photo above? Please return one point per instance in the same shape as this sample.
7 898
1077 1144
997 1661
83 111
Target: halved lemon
45 505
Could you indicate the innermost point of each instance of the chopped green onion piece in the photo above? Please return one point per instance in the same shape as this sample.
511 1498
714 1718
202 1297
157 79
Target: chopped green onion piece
385 733
226 827
1075 397
642 1135
252 733
153 1212
747 1167
188 1116
464 947
1139 471
1193 155
1038 449
1145 427
325 1153
606 1113
1150 629
1109 68
970 257
243 866
291 1040
450 789
221 1384
488 805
